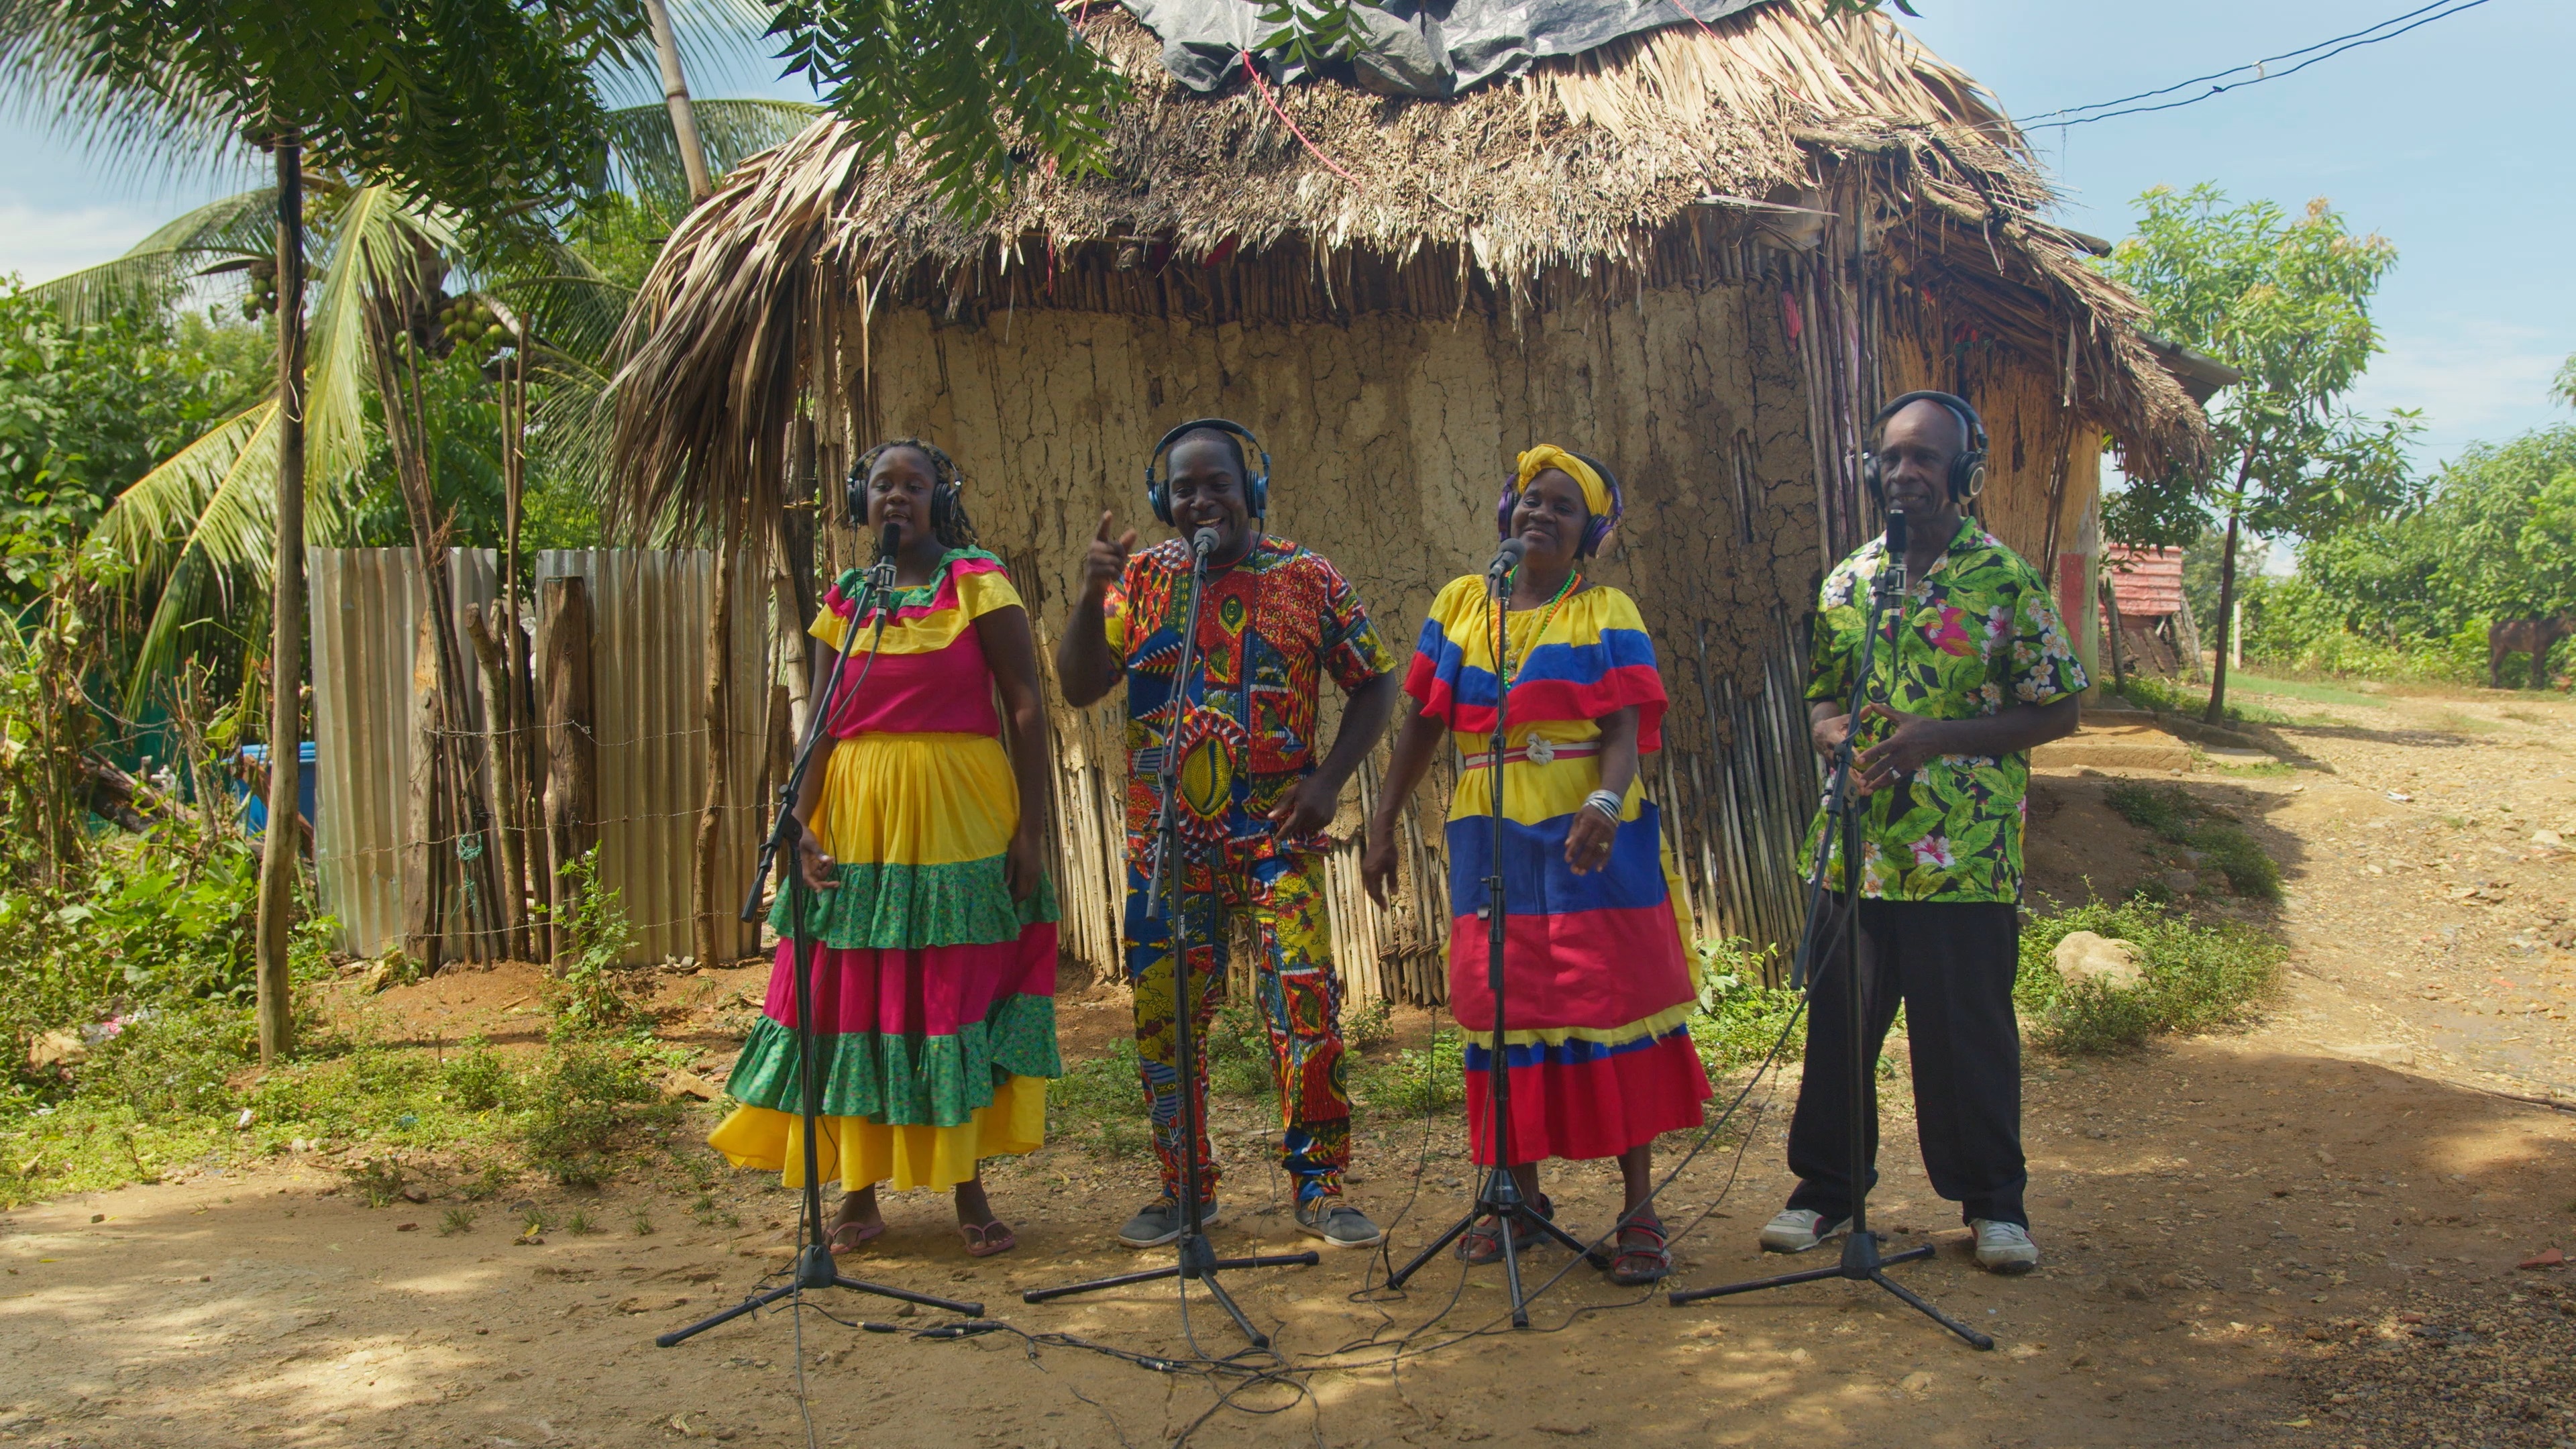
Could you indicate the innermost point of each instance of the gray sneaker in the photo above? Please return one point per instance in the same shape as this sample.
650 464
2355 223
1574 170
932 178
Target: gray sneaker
1338 1223
2004 1247
1795 1230
1159 1222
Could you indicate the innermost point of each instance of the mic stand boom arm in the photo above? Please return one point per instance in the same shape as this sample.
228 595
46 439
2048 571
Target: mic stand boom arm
814 1266
1861 1259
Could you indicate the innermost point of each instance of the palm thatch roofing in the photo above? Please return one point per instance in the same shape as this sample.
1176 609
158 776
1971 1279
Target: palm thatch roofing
1631 166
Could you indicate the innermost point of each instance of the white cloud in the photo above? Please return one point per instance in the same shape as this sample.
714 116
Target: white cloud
40 245
2478 379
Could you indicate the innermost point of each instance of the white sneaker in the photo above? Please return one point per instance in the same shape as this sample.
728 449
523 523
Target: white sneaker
1795 1230
2004 1247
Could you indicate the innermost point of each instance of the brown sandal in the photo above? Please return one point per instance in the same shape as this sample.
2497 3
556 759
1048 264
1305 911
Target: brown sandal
1483 1243
1642 1262
983 1240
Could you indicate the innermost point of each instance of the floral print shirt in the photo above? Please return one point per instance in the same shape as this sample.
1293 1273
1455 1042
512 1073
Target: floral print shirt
1980 634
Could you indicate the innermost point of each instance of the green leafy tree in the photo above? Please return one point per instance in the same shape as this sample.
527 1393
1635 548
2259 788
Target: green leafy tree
2286 301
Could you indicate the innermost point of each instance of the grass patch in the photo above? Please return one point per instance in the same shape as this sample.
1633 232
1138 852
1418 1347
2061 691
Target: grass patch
2176 817
2300 689
1417 1080
1099 1105
2193 978
2167 696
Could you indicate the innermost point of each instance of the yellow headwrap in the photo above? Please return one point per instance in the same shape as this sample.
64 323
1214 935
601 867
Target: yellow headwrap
1596 494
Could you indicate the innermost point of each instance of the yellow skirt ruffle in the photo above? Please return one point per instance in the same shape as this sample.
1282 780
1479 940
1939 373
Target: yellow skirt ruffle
917 799
856 1152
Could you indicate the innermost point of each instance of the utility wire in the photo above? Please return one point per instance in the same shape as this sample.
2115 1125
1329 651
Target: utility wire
2373 35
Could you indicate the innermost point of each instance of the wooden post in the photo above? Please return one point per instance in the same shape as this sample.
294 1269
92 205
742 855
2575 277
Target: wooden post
500 751
572 750
420 879
704 908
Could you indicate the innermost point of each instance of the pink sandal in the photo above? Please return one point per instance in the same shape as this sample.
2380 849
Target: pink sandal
983 1240
850 1237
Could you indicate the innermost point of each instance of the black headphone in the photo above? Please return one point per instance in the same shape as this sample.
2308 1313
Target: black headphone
1256 488
1967 471
945 485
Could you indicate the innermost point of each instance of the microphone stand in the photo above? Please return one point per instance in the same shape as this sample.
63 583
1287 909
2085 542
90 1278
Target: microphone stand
814 1266
1166 899
1861 1259
1498 1196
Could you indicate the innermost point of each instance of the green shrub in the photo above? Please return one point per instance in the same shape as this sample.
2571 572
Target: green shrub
1237 1045
1739 1017
592 996
2192 978
1419 1080
477 1081
2175 816
589 1102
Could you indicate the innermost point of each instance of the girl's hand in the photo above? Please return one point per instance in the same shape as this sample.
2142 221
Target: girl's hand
1587 844
820 870
1024 864
1377 860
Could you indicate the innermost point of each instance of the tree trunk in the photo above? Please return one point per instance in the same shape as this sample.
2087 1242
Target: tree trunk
2111 616
277 855
424 900
2226 606
571 749
675 94
512 752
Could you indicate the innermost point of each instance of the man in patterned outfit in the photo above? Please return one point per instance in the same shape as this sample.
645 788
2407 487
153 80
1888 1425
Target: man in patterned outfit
1978 670
1254 804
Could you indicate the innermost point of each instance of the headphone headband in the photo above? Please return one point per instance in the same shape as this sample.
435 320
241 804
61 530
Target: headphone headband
1256 485
1967 470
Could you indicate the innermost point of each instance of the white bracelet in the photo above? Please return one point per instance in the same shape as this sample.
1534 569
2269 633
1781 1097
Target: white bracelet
1607 802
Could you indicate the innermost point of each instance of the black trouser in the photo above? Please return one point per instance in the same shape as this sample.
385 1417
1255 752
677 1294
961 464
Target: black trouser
1952 962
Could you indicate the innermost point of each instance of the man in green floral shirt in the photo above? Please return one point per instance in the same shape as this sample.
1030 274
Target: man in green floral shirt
1978 670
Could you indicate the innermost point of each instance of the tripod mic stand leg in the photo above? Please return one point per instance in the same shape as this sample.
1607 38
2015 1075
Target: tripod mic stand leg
1973 1338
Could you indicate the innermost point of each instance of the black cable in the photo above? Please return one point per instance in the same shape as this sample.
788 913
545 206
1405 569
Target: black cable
2341 43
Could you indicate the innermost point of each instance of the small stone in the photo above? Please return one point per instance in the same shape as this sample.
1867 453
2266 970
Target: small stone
98 1217
2088 956
2181 882
406 1227
2546 1258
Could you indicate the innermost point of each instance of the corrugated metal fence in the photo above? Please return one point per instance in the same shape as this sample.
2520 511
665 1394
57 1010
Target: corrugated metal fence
649 612
364 608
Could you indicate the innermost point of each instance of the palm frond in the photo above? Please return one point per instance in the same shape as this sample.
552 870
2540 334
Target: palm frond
647 152
201 526
242 226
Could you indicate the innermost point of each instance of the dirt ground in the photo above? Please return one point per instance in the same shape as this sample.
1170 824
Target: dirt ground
2303 1233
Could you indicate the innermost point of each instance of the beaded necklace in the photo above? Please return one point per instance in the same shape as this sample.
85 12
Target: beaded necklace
1572 577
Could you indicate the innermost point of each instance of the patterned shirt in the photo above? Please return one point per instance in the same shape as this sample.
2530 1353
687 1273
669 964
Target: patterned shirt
1981 632
1272 625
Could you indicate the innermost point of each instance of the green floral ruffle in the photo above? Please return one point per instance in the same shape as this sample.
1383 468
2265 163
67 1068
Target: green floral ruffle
904 1081
885 907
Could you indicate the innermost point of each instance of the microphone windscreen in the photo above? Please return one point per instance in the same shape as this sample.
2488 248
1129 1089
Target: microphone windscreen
1896 531
1203 542
890 542
1512 552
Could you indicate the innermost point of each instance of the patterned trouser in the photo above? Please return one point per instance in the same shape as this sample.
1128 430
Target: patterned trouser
1300 1004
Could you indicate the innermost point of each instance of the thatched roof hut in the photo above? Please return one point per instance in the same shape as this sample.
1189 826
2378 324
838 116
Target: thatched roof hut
1702 252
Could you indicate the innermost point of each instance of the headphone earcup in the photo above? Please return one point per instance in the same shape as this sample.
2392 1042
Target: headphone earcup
1869 476
1503 507
1968 475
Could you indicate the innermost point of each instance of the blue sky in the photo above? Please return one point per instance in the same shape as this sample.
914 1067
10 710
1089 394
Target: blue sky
2449 141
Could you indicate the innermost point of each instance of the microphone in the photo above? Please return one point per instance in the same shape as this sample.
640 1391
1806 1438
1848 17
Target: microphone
1896 533
889 542
1203 543
1506 559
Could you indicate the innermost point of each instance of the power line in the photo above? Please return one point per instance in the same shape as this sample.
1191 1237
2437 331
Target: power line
2320 51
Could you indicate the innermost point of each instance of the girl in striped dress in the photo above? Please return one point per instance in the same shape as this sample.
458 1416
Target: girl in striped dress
934 997
1597 984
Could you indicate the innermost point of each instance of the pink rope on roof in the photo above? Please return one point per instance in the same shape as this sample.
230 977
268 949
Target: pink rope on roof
1254 72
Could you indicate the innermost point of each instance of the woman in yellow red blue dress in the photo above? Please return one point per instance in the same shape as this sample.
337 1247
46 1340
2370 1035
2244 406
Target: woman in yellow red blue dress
1597 983
935 994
